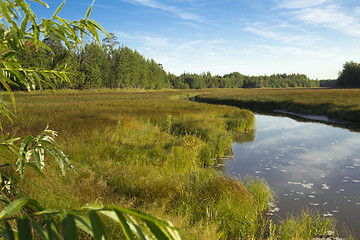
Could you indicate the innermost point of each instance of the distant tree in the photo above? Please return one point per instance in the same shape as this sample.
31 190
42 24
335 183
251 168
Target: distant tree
93 59
350 75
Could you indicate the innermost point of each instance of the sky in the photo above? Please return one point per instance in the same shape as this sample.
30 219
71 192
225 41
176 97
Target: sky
253 37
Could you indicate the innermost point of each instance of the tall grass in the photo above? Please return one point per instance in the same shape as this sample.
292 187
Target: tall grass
310 225
147 151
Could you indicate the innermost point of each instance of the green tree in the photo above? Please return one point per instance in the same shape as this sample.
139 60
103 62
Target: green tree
92 65
350 75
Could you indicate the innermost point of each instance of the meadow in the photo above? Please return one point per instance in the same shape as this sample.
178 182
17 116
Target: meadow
338 103
153 151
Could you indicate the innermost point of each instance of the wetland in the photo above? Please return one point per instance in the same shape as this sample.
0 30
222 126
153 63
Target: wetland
309 165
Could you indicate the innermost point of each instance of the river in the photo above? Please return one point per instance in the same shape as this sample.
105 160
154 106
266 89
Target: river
307 165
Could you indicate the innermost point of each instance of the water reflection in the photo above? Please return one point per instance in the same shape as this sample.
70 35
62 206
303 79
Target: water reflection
306 164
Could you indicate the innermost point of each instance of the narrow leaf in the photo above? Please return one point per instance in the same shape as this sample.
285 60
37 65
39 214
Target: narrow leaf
97 226
158 232
15 206
52 231
24 229
68 225
58 10
89 10
124 225
40 230
9 233
41 2
83 223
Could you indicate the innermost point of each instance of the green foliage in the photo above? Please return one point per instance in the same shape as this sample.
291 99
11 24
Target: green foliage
86 218
237 80
95 66
349 77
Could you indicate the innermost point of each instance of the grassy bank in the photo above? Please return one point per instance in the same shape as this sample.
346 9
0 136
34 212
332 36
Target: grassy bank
339 103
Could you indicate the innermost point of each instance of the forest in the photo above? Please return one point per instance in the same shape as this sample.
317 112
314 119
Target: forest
117 66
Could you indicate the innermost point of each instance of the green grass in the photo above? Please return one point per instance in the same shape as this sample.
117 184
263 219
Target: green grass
339 103
309 225
148 150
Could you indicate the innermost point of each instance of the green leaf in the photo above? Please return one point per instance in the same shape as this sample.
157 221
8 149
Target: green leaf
4 80
65 159
24 145
89 10
135 227
158 232
124 225
41 2
15 206
58 10
24 23
24 229
83 223
97 226
22 152
68 224
9 233
52 231
39 229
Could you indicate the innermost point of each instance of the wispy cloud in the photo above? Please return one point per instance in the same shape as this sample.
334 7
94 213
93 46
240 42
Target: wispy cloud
282 33
323 13
183 14
296 4
331 16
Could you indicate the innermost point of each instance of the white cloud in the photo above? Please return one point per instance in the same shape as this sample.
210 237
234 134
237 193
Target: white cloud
183 14
331 16
284 35
296 4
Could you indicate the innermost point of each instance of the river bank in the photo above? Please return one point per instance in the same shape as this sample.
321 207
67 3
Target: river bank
339 104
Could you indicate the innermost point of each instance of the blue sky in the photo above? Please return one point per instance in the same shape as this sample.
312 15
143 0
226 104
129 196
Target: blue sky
253 37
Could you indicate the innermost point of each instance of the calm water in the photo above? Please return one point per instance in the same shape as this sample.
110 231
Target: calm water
308 165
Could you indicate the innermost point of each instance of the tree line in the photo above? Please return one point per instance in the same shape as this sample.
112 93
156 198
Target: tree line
238 80
94 66
115 66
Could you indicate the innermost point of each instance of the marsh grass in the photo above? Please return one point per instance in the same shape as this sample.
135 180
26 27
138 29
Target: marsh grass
145 150
338 103
310 225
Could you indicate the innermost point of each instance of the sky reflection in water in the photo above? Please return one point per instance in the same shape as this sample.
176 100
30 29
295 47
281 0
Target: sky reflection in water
308 165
